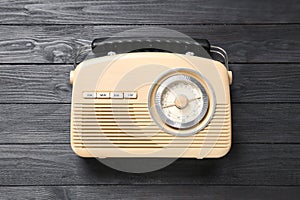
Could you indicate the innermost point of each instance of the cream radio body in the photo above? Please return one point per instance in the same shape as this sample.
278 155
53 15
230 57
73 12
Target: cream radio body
115 111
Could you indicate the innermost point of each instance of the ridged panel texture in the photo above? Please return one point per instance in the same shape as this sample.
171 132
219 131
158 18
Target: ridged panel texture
130 126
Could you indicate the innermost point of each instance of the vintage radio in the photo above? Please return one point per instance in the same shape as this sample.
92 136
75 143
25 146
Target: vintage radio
151 97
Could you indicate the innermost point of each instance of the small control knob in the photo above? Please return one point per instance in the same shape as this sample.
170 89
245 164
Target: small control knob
71 77
230 77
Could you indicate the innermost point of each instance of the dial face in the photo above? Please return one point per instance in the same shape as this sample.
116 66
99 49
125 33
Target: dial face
181 101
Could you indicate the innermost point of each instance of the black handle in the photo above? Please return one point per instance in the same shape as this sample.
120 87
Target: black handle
101 46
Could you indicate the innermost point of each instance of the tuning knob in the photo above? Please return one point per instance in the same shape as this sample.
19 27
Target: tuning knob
71 77
230 77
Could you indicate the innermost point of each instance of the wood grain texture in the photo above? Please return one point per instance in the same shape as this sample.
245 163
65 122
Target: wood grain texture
148 12
50 123
50 83
150 192
37 43
246 164
35 83
56 44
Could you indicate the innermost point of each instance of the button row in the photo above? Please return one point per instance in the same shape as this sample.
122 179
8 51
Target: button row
110 95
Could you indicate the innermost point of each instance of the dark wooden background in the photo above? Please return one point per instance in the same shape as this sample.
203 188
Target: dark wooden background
37 39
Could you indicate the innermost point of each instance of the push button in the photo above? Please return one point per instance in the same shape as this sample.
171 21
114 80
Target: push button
130 95
103 95
89 95
116 95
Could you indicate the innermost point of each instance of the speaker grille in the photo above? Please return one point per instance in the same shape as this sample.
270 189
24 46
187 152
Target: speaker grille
130 126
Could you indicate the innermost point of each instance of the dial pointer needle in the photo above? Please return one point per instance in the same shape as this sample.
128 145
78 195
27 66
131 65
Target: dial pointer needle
170 105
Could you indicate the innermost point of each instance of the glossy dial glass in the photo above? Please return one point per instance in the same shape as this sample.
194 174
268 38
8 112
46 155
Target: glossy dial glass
181 101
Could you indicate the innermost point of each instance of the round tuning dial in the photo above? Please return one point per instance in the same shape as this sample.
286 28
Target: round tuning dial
179 100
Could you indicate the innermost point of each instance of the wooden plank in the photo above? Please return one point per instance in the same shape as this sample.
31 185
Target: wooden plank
150 192
50 123
50 83
35 83
56 44
265 83
35 123
148 12
246 164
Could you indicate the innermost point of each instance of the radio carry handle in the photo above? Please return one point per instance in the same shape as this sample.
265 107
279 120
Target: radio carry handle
189 46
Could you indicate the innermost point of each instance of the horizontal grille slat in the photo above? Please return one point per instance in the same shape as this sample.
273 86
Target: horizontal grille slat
143 140
159 135
139 126
149 146
116 124
113 129
105 138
